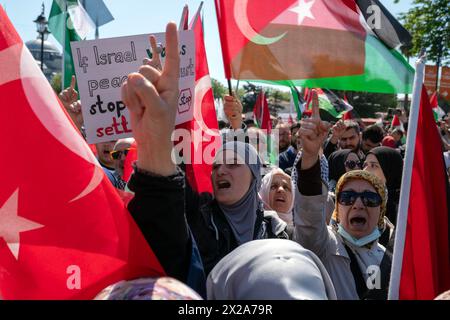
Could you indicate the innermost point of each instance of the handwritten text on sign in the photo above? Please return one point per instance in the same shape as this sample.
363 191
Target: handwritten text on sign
101 66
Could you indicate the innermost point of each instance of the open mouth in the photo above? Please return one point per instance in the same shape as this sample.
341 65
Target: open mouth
281 200
358 221
223 184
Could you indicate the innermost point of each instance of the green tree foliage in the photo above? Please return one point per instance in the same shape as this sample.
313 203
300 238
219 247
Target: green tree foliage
248 99
219 90
275 98
428 21
366 104
56 83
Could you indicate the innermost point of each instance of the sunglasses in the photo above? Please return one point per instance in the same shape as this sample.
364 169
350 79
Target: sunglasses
352 164
368 198
118 153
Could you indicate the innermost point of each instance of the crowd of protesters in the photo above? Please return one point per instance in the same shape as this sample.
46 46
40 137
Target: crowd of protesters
320 225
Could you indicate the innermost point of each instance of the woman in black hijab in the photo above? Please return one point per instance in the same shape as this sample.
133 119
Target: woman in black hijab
387 164
340 162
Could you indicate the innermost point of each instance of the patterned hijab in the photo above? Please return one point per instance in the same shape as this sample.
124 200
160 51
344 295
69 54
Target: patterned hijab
323 170
373 180
164 288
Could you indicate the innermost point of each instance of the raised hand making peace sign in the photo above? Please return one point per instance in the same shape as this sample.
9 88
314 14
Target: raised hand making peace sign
313 131
151 96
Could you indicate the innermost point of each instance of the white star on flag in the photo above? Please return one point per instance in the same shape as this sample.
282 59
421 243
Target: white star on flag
303 10
11 225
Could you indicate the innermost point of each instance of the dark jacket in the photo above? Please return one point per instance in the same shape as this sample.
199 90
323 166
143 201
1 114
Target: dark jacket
329 148
286 158
160 208
212 232
157 208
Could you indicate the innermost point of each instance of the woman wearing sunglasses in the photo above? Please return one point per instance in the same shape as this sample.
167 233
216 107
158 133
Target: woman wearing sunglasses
340 162
349 249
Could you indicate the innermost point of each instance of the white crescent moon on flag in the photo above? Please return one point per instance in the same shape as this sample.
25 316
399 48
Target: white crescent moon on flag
47 109
96 179
240 16
201 88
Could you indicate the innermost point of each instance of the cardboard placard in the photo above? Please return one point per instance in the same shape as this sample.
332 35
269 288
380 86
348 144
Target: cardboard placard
101 66
444 86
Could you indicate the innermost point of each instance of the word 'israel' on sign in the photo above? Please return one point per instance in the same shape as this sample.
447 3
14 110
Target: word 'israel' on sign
102 66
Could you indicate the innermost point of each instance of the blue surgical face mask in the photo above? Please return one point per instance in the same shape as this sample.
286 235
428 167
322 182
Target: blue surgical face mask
374 235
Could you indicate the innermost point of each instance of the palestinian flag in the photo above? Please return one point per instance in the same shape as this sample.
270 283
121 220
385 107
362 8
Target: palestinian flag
69 21
397 124
348 116
296 102
261 114
387 28
329 102
421 262
437 111
310 43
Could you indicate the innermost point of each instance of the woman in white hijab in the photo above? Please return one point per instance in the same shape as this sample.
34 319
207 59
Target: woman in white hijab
270 269
277 194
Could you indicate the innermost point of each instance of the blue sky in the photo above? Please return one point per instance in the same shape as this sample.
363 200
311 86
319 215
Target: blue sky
144 16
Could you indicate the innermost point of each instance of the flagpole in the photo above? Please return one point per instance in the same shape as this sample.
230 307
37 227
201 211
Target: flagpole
63 73
183 17
402 218
230 89
237 87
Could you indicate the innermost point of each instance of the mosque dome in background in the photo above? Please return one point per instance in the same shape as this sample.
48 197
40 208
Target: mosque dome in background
52 56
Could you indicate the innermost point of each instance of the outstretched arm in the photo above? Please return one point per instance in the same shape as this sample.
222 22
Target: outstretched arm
309 213
158 206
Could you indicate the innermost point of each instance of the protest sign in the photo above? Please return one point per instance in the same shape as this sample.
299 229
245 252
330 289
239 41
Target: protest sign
444 87
101 66
430 78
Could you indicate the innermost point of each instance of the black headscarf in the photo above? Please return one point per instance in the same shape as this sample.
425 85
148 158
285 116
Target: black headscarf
336 163
391 163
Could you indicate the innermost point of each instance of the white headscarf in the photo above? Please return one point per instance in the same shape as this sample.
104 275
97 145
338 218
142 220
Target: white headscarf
264 194
270 269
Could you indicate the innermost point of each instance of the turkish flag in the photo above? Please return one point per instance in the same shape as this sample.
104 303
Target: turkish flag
426 258
64 231
290 39
203 128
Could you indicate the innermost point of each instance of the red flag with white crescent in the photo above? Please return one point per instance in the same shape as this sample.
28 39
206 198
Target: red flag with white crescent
64 231
203 128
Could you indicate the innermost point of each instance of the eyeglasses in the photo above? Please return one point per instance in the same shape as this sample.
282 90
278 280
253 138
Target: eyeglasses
118 153
369 198
352 164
